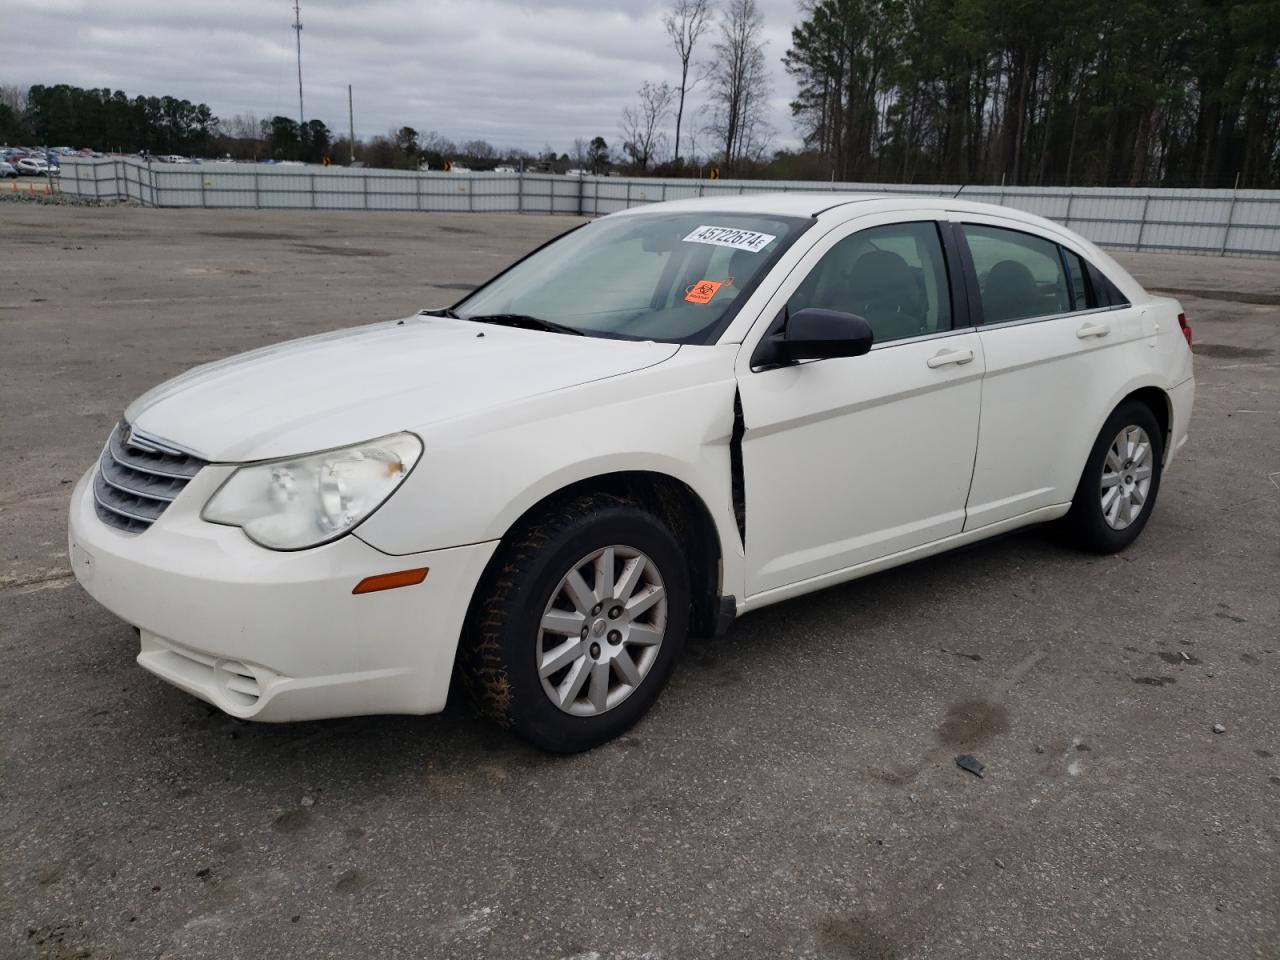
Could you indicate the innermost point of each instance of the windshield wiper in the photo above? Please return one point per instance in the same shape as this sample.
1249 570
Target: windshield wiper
524 321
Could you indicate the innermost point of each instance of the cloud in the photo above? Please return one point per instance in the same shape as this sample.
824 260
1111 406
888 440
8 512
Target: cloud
515 73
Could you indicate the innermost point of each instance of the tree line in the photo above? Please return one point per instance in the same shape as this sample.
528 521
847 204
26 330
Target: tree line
1181 93
112 121
64 114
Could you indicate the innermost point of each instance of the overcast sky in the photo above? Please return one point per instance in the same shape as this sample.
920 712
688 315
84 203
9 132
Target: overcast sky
514 73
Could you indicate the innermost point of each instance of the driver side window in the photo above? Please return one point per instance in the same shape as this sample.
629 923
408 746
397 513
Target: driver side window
893 276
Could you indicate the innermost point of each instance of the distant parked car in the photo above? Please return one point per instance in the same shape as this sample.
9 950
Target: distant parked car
33 167
7 169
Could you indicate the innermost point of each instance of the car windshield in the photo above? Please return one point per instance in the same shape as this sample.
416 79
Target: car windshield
673 277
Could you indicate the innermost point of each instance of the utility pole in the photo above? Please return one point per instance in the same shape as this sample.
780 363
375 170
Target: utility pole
297 27
351 125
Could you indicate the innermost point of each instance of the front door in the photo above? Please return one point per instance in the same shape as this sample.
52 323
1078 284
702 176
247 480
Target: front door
852 459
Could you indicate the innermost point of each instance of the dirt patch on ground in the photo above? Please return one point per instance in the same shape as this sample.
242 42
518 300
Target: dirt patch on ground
1231 296
1226 351
326 249
971 722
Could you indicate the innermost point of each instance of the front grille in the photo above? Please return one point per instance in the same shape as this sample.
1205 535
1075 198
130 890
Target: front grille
138 477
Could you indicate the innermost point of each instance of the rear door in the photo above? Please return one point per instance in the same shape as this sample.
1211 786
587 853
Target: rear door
1055 354
846 460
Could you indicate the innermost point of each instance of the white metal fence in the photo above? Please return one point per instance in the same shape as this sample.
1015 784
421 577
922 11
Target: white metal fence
1217 222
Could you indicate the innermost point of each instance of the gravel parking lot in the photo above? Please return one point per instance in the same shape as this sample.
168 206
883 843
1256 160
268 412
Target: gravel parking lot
794 791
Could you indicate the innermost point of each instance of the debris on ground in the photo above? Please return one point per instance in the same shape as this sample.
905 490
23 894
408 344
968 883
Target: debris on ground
999 863
967 761
1219 728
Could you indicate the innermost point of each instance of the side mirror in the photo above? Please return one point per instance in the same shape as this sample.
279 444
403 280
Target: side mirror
813 334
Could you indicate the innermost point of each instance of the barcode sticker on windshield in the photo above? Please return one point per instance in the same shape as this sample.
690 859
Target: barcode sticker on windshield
731 237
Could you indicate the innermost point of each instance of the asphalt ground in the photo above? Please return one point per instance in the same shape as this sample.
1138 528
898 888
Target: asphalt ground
793 793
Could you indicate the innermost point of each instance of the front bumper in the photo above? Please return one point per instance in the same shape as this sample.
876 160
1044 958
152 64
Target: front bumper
266 635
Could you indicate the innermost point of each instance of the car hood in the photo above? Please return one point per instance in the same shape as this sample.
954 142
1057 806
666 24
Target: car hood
354 385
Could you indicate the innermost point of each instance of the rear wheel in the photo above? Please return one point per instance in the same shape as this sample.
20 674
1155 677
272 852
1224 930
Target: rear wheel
1121 478
578 623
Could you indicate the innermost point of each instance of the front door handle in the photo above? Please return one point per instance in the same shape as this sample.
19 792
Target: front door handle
1093 330
943 357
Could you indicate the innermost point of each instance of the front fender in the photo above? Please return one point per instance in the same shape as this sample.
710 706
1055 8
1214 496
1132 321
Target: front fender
478 475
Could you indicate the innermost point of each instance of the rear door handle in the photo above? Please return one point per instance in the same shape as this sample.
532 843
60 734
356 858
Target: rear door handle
943 357
1093 330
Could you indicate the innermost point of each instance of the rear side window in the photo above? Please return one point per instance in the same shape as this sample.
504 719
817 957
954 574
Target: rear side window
893 276
1019 275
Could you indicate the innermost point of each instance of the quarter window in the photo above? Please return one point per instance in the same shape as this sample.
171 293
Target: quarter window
1107 293
1019 275
1075 273
893 276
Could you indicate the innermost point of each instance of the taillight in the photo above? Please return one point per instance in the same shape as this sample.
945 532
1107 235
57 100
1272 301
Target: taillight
1186 327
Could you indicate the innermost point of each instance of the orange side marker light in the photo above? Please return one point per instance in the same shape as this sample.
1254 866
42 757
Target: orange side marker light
389 581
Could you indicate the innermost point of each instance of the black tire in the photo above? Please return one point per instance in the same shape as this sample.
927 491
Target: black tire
1086 523
498 656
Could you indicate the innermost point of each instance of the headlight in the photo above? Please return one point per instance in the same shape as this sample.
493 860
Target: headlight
306 501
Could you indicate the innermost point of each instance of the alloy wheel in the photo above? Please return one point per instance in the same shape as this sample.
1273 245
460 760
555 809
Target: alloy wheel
601 630
1127 470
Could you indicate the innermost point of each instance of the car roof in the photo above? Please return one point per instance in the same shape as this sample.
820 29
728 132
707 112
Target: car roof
778 203
834 204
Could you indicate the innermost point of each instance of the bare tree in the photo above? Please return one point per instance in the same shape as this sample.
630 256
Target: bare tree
581 152
685 23
640 123
433 142
243 126
481 150
14 97
740 84
697 128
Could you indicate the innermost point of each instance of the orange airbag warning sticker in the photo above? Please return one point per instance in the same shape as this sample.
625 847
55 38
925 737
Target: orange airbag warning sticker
702 291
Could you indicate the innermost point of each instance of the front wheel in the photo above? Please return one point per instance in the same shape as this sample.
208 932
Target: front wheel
1121 478
578 623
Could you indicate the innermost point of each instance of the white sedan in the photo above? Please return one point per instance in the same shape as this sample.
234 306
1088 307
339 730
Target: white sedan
657 422
32 167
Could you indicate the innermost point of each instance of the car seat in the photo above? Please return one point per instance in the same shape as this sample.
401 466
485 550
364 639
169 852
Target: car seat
882 289
1009 292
